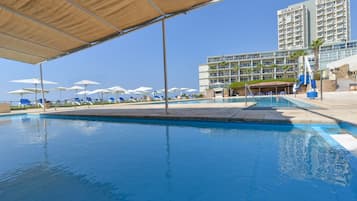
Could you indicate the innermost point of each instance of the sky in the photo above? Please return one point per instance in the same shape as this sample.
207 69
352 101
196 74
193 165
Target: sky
135 60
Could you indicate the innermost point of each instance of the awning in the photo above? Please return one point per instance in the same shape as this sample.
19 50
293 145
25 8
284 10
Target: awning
36 31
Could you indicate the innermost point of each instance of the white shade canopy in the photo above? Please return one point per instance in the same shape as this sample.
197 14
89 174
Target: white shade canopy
143 89
33 81
100 91
191 90
20 92
184 89
130 92
117 89
86 82
84 92
173 90
61 88
75 88
34 90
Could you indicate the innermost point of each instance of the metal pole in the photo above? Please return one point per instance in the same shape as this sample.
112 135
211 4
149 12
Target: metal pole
165 65
245 93
321 96
42 88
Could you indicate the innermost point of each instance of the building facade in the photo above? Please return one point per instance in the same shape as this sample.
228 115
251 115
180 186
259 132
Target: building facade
333 20
300 24
221 71
337 51
293 30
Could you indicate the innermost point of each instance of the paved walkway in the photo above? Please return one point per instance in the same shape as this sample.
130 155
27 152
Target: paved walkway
335 107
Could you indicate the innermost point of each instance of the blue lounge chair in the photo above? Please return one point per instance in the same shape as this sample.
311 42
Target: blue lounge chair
25 102
76 101
89 100
121 99
111 100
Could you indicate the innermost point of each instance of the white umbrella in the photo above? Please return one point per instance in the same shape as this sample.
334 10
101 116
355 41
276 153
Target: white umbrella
144 90
75 88
35 82
130 92
173 90
117 90
35 90
184 89
101 92
191 90
84 92
20 92
85 83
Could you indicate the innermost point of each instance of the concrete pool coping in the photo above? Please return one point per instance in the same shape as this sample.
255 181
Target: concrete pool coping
325 111
224 112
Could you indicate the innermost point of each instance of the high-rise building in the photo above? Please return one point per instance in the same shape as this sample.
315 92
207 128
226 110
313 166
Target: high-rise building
333 20
300 24
293 30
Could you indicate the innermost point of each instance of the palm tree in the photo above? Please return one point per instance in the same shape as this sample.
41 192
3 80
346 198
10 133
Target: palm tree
296 55
236 70
316 44
285 70
273 67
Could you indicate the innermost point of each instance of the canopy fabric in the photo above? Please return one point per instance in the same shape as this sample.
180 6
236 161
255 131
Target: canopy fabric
41 30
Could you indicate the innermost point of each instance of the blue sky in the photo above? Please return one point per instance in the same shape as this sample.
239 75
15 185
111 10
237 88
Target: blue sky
135 60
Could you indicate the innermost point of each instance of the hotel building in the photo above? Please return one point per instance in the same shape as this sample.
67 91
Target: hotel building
333 20
221 71
300 24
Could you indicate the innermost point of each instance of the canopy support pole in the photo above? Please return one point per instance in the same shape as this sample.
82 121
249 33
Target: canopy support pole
42 88
165 64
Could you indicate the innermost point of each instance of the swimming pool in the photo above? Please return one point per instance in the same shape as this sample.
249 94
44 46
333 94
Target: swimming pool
271 101
91 159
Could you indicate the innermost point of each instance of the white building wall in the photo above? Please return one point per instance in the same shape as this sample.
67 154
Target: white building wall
203 77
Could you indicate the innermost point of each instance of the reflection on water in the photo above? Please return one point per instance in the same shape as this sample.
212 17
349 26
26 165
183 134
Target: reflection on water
307 156
90 161
42 182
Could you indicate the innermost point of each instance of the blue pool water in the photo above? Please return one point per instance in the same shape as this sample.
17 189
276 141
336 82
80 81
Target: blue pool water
85 160
270 101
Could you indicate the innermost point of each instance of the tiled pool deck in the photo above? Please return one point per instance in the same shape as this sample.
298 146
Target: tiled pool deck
335 107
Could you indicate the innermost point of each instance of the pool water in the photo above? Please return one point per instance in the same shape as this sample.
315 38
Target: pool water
271 101
138 160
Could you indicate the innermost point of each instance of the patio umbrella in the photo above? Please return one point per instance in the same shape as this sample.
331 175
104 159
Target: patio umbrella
85 83
144 90
76 89
173 90
35 82
20 92
183 90
36 90
101 92
84 92
191 90
117 90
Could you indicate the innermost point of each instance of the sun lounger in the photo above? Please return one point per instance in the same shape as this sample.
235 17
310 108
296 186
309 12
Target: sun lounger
25 102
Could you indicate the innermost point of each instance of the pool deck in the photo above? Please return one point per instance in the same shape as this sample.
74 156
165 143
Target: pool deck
336 107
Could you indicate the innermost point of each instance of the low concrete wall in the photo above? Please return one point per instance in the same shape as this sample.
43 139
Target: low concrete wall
327 85
4 108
